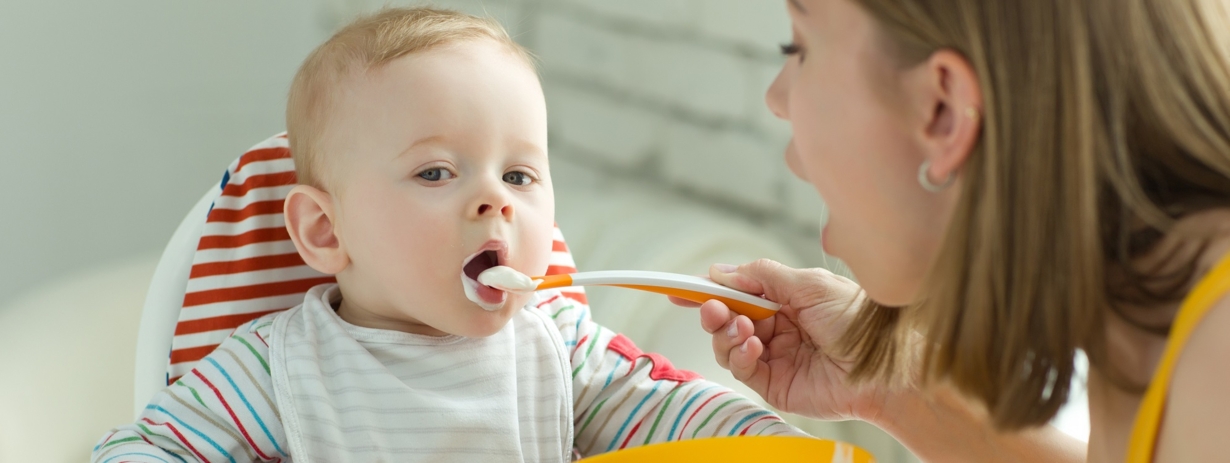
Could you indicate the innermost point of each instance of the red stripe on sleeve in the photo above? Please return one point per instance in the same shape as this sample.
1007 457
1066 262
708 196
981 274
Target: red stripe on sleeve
579 297
259 181
240 293
631 433
262 154
234 418
579 344
260 235
560 270
548 301
757 420
251 264
254 209
559 246
698 409
223 322
180 436
190 354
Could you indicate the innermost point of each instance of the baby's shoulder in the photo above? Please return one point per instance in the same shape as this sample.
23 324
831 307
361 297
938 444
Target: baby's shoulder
261 328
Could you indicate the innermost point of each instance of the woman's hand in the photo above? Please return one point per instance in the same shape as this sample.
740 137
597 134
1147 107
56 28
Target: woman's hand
791 359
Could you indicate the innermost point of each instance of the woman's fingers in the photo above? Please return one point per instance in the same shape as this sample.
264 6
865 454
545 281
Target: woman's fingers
682 302
731 276
729 335
714 315
747 367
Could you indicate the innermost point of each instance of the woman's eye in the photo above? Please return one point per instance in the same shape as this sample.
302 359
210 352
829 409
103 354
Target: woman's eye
791 49
518 178
435 175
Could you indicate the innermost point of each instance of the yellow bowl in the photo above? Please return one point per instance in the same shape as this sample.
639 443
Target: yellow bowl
741 450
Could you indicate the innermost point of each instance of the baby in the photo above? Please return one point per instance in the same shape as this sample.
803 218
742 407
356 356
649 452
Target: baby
420 141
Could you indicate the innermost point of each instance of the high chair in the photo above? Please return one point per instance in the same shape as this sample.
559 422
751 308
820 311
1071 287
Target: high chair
231 261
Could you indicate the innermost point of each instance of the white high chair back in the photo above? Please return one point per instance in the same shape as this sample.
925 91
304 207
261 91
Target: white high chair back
231 261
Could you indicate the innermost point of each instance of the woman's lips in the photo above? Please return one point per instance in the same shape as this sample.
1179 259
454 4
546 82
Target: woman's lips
824 238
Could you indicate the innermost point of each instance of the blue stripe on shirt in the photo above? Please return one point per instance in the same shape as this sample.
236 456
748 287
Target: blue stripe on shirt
194 431
246 403
136 453
746 419
684 410
611 375
632 415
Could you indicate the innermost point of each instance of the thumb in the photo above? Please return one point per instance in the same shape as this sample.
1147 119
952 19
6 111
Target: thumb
763 276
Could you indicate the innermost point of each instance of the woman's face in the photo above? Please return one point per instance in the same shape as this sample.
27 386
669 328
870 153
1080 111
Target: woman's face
861 131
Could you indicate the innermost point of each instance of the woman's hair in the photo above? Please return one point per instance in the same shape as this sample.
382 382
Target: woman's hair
365 44
1105 122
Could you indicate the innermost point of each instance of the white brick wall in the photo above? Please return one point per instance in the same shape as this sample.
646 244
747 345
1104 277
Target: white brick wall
663 13
612 130
723 164
756 23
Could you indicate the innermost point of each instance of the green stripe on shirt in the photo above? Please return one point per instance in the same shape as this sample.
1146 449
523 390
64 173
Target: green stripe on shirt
254 352
711 415
661 411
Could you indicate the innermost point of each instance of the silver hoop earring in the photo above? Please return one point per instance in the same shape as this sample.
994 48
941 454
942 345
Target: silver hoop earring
925 181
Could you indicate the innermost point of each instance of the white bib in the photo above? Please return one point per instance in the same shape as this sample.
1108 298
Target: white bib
348 393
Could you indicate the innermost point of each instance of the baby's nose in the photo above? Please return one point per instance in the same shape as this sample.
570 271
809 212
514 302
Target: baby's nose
487 208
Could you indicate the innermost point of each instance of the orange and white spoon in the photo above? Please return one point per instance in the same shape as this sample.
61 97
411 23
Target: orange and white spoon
687 287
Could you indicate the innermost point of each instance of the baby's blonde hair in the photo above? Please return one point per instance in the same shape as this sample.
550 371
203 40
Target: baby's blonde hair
366 44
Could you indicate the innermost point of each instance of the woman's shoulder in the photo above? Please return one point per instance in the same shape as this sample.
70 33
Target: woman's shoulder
1198 404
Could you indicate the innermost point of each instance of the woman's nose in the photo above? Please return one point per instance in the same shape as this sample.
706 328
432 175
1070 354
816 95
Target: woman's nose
775 97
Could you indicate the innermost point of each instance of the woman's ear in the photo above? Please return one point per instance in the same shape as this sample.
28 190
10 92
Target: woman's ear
951 105
310 222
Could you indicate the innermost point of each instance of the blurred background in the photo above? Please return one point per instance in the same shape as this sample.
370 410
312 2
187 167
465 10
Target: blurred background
116 116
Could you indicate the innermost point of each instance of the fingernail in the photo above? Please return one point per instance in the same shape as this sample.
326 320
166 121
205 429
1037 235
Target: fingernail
743 348
725 268
733 330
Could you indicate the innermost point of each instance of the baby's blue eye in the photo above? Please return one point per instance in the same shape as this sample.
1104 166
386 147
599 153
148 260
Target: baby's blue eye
518 178
436 174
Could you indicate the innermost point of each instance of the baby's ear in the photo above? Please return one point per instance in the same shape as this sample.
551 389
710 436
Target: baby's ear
309 219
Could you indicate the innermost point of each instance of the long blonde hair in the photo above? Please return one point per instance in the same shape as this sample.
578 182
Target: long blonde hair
1105 122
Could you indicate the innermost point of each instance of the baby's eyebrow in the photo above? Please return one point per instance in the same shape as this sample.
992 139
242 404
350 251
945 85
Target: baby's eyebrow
526 146
798 6
432 140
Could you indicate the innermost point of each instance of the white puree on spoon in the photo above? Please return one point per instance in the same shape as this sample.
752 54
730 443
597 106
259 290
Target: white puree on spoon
507 279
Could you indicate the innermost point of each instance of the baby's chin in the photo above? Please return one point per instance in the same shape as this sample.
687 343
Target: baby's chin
480 323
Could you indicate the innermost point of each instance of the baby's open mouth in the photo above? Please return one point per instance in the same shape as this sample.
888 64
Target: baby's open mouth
485 296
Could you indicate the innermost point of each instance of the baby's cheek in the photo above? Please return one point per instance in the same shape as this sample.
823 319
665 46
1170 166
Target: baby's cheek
540 257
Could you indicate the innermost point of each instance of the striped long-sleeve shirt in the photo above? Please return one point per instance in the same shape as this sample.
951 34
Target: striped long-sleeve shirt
303 385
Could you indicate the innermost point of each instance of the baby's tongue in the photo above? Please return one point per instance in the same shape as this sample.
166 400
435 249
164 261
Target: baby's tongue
507 279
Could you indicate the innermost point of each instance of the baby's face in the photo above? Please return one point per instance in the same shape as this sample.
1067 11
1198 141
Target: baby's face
439 171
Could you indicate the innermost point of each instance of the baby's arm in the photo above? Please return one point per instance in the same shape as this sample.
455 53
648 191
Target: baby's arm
625 398
223 410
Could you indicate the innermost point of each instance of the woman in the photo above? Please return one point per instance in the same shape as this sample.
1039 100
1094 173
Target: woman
1010 181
